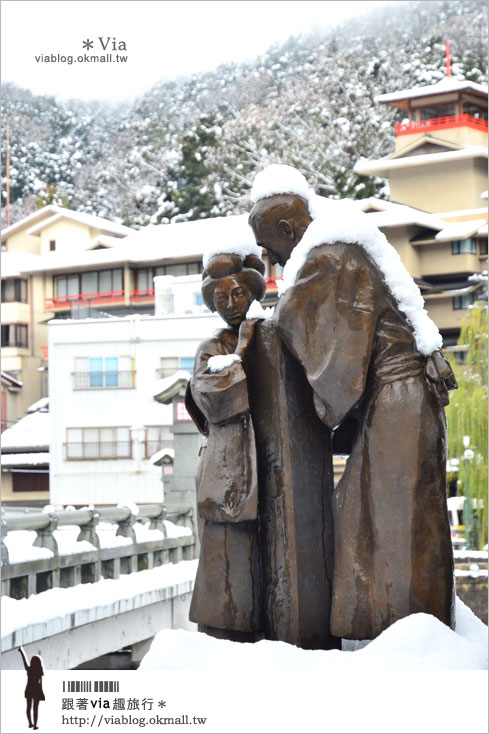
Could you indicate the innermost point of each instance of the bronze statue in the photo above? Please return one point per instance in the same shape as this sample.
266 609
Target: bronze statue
225 601
265 476
341 322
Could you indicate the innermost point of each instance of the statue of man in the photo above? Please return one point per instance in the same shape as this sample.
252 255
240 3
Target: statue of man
353 318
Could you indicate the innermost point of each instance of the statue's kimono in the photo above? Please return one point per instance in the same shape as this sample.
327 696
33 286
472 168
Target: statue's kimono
226 587
393 554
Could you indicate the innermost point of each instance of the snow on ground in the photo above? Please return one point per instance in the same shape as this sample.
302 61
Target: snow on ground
38 608
419 641
20 542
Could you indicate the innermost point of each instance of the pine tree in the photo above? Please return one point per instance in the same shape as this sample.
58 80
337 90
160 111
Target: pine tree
467 415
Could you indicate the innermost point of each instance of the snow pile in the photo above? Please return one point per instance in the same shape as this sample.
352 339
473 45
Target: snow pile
176 531
419 641
222 361
20 548
66 538
145 535
256 311
39 608
340 221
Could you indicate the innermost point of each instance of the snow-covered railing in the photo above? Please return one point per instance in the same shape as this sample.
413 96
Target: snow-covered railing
131 543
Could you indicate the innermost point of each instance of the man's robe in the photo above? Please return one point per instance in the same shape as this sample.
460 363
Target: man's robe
393 554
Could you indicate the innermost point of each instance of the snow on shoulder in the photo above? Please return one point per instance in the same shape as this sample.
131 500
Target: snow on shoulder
341 221
256 311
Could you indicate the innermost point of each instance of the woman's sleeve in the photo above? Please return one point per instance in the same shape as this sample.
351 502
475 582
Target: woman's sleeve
220 396
327 321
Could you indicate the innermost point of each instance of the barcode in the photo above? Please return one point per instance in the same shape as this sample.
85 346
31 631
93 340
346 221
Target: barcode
85 686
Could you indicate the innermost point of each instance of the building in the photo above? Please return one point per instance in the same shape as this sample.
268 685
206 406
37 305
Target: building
106 424
436 217
49 234
25 458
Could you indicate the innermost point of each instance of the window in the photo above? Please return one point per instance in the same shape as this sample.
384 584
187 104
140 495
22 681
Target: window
186 363
52 245
464 247
475 111
482 247
443 110
157 437
103 372
30 481
182 414
14 289
14 335
92 282
144 276
84 444
168 366
463 301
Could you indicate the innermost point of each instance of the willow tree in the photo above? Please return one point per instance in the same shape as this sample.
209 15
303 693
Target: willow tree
467 414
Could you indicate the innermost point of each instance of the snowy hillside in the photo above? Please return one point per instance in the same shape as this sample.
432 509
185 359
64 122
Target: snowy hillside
190 148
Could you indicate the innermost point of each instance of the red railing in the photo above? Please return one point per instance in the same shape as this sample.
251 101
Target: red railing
85 299
441 123
146 295
272 282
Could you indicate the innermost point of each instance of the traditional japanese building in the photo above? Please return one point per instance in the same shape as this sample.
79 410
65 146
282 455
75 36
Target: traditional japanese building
437 215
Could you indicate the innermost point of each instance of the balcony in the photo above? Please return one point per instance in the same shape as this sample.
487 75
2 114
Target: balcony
441 123
84 299
107 380
98 450
143 296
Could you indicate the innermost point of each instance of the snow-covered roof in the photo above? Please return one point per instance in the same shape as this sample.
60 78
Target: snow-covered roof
166 388
484 195
31 432
381 166
58 213
445 86
159 458
157 243
11 380
16 262
461 230
42 404
36 458
390 214
483 230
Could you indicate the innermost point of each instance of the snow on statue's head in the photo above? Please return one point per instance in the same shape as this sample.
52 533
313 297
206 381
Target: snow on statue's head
284 206
246 269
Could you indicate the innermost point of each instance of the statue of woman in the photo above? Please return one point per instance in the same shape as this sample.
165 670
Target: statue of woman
225 601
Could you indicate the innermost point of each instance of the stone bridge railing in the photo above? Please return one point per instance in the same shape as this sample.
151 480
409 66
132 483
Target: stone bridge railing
20 580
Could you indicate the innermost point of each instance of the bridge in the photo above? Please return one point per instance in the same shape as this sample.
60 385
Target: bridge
75 604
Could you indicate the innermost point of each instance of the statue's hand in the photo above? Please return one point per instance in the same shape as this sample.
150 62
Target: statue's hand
246 331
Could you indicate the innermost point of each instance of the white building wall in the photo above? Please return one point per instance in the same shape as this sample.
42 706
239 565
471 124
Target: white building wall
146 339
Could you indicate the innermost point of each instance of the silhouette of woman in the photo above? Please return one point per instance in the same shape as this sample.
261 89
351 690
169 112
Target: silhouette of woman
33 689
